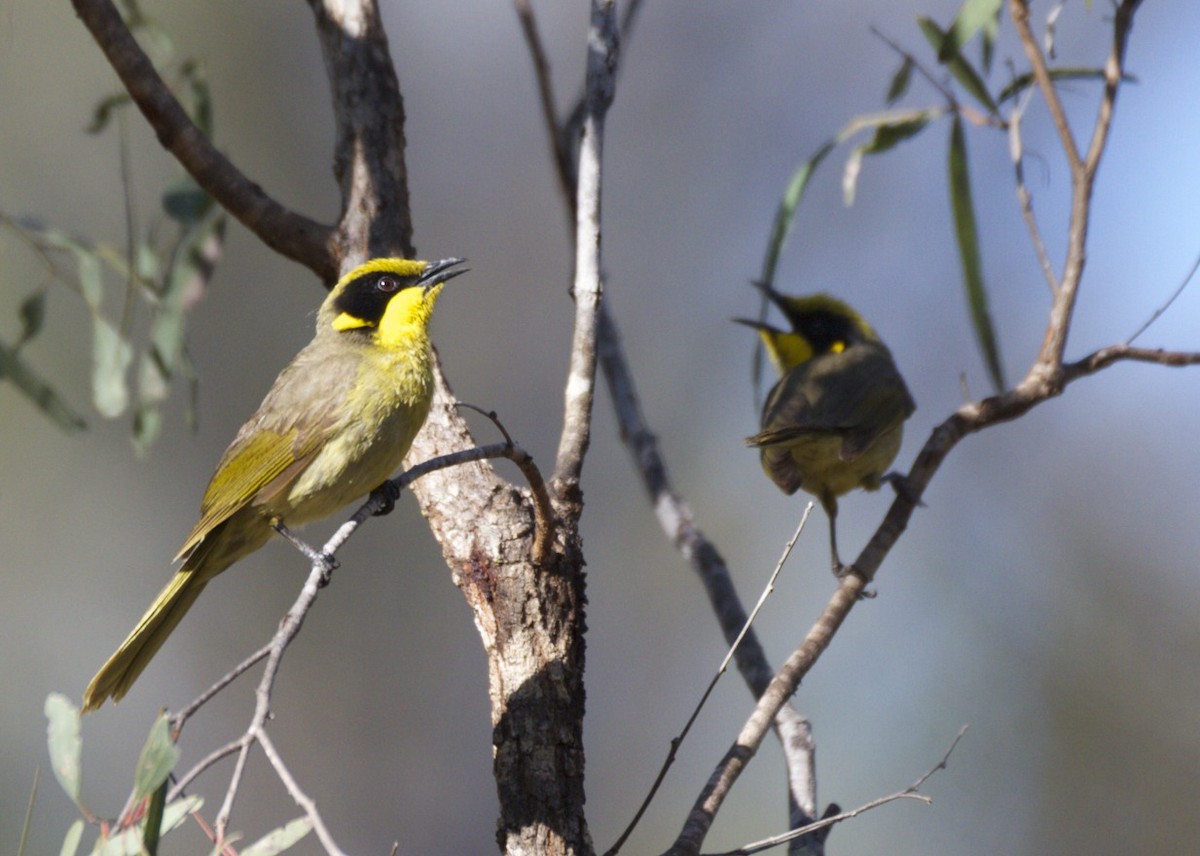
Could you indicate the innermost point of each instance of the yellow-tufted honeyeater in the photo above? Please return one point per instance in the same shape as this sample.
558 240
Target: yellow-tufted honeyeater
834 420
333 427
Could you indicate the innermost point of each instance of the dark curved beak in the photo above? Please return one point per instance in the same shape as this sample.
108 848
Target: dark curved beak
757 325
440 271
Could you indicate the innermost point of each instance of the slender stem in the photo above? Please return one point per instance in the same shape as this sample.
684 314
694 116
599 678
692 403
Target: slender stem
581 374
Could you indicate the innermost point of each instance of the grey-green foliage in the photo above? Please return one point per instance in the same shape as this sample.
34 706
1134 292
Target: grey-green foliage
158 759
137 296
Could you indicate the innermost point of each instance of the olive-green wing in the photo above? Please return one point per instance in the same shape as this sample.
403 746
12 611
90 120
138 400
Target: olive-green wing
857 395
278 442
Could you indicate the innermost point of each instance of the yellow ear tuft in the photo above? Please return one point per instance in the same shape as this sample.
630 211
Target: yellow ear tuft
346 321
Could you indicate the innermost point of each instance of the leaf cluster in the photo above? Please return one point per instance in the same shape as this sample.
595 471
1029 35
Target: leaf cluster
159 274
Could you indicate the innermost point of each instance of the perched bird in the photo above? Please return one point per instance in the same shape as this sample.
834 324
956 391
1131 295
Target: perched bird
333 427
834 420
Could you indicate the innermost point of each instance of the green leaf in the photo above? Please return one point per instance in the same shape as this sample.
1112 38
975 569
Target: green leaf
900 81
200 96
14 369
890 130
111 355
991 32
152 825
70 845
185 202
280 839
786 213
962 70
33 315
65 743
888 135
91 279
967 233
103 113
971 17
177 812
158 758
1023 81
124 842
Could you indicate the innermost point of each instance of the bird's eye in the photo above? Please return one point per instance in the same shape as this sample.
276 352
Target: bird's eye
387 283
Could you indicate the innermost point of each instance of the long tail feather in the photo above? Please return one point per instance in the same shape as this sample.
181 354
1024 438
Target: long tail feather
117 675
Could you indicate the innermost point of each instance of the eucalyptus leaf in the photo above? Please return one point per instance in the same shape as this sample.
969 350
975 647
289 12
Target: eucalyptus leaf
900 81
185 202
281 839
65 743
177 812
158 758
122 842
70 845
972 16
888 134
105 110
962 70
967 233
33 316
112 354
14 369
786 213
1023 81
201 96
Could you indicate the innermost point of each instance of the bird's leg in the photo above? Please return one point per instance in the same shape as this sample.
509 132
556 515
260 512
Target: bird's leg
386 495
829 503
326 562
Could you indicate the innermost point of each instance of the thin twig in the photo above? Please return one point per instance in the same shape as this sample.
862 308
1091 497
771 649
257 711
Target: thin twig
911 792
542 509
179 719
1024 197
302 799
203 764
564 169
677 741
1160 310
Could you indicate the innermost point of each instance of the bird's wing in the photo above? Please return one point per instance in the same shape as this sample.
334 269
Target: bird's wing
277 443
813 400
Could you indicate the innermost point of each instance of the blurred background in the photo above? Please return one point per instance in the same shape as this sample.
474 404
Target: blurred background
1046 596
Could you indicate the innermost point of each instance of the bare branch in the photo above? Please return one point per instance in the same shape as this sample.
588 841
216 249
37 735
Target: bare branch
1083 172
288 233
368 160
581 375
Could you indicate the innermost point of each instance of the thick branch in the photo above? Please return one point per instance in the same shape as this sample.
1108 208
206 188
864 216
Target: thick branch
288 233
368 160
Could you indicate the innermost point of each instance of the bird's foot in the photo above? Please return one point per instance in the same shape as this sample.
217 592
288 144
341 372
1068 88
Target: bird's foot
325 561
386 495
841 571
904 488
